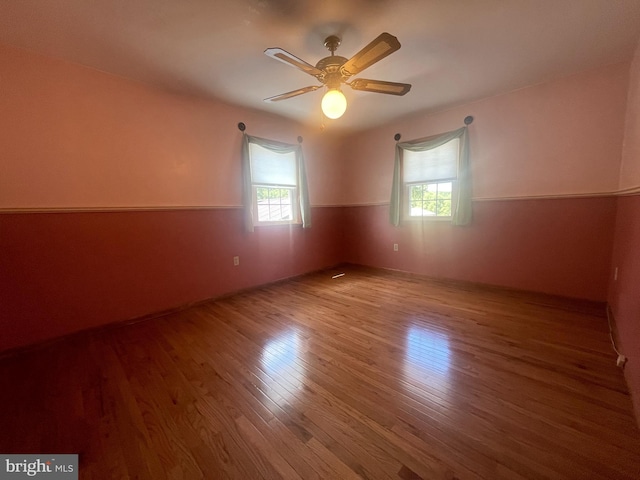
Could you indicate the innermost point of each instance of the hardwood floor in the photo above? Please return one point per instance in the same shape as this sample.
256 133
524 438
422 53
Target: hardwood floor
370 375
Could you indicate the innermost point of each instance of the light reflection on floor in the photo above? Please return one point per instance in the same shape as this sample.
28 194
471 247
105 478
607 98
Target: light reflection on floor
280 362
427 360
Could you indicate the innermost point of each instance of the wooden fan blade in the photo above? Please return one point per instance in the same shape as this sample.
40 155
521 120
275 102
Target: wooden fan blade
378 86
385 44
286 57
293 93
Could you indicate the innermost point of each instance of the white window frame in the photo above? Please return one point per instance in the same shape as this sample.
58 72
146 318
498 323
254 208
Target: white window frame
295 208
292 186
408 200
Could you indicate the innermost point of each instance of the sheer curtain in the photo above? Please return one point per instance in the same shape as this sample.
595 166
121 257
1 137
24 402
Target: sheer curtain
277 148
462 213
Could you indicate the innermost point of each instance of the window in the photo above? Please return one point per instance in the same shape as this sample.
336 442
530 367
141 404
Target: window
430 180
274 186
274 183
275 204
430 199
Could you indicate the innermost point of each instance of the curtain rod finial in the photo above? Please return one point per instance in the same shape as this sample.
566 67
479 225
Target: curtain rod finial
468 120
242 127
397 137
299 139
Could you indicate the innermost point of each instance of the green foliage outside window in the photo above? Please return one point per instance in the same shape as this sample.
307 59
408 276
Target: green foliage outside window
269 193
430 199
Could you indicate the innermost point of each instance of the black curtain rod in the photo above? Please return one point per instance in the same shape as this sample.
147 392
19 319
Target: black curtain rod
468 120
242 127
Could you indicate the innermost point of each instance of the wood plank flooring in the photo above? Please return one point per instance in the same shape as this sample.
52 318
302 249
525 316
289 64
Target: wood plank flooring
372 375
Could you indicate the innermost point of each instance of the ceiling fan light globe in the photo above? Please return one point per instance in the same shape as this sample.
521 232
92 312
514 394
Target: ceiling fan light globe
334 104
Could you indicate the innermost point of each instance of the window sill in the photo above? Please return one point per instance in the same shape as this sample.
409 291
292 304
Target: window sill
276 224
428 219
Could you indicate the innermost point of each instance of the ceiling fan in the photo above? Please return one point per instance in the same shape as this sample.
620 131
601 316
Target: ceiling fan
334 70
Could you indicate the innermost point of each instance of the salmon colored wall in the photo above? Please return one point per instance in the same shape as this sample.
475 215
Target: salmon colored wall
624 292
630 167
64 272
558 138
624 295
75 137
553 140
557 246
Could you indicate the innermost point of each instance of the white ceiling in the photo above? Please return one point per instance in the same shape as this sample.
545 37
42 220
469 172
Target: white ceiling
453 51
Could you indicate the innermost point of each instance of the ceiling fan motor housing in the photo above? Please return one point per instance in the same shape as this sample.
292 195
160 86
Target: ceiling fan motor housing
332 75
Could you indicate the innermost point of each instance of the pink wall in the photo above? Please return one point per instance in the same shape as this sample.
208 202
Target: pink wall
75 138
624 293
63 272
630 166
558 138
557 246
553 141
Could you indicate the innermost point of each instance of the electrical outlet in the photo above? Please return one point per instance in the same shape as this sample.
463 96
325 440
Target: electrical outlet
236 261
395 247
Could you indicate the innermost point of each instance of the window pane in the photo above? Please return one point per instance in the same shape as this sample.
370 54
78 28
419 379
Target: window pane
430 207
415 195
416 210
263 213
444 208
262 193
429 193
275 204
430 199
445 187
275 212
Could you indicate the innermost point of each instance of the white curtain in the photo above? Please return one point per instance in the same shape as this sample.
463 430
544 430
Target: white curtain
462 213
276 148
